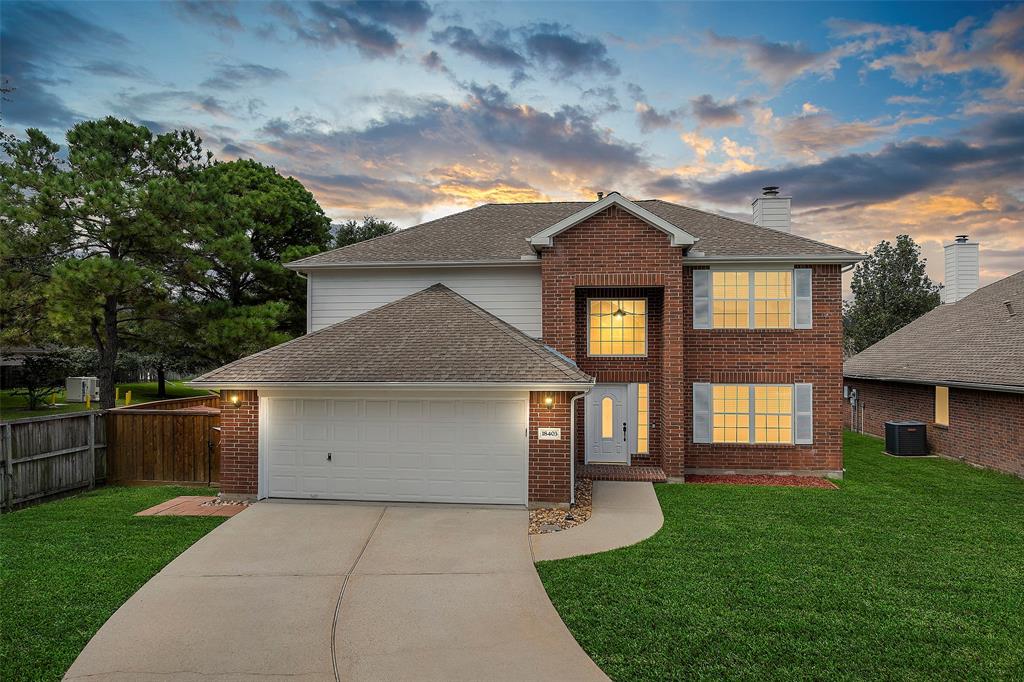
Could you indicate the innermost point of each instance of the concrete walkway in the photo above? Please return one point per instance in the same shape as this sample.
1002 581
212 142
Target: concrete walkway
344 592
625 512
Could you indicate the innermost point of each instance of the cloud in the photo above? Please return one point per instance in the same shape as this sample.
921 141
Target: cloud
432 61
114 69
905 99
567 53
167 103
777 63
216 13
556 48
605 99
713 113
649 118
368 26
35 38
235 76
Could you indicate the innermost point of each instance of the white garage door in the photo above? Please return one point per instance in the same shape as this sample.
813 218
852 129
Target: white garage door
422 449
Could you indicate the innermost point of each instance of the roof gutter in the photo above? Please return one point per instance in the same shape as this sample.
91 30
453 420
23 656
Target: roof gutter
302 267
998 388
458 386
692 260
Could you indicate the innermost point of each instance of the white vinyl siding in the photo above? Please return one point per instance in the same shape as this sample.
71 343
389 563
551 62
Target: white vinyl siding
512 293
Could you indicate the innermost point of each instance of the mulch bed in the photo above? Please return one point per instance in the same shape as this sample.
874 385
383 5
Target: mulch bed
553 520
791 481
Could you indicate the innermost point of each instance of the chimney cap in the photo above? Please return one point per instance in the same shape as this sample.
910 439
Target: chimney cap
770 191
961 239
600 195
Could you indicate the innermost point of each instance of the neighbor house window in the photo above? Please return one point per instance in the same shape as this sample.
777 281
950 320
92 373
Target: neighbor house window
643 419
617 327
760 299
942 405
742 413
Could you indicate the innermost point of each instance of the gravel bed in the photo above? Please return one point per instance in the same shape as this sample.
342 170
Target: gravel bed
554 520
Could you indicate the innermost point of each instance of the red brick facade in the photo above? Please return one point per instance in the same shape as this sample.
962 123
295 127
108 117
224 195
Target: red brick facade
239 438
550 474
986 428
616 254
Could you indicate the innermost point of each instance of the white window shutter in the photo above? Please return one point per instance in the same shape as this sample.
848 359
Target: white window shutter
803 401
701 413
802 298
702 299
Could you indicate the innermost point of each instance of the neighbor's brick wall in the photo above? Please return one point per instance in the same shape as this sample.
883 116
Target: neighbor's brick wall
986 428
616 251
550 475
239 438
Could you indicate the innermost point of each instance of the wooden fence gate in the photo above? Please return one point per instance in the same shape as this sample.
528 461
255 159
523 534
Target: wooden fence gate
168 441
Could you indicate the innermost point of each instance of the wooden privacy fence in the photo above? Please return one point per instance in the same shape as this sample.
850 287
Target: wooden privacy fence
168 441
43 456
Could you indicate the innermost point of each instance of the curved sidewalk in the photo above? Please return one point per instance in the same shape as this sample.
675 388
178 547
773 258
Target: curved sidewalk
625 512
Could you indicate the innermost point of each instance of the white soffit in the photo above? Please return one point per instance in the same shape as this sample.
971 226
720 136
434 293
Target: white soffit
677 236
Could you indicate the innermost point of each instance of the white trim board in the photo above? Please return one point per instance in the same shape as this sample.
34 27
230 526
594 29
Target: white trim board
677 236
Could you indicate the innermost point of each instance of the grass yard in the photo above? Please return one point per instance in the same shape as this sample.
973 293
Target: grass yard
14 406
66 566
913 569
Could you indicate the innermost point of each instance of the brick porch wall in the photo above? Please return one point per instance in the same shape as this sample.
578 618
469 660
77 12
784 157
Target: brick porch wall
549 468
986 428
239 438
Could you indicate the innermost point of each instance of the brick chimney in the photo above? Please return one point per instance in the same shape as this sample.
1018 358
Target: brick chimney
771 210
963 269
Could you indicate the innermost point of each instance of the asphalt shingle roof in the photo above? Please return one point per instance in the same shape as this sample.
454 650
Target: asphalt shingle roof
499 232
432 336
975 340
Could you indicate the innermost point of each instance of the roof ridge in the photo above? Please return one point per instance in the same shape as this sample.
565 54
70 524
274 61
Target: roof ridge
990 284
525 340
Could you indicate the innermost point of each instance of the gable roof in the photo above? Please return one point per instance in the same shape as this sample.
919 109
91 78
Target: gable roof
677 236
500 233
975 341
433 337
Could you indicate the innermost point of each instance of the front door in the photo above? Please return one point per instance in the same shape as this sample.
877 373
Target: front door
607 434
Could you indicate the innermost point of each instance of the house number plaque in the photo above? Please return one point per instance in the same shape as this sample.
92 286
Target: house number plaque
549 434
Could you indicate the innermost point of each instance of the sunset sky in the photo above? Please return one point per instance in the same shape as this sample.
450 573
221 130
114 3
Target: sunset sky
878 119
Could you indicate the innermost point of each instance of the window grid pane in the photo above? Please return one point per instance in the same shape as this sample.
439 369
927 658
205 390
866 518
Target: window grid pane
731 413
617 326
773 295
773 414
642 419
730 297
768 297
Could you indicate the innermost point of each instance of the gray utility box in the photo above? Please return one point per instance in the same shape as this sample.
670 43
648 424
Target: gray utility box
906 438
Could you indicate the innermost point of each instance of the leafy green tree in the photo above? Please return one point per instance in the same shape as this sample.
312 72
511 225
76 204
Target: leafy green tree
41 376
110 219
239 297
890 290
352 232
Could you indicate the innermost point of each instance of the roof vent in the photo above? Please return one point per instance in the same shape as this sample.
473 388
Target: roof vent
600 195
771 210
963 269
1009 307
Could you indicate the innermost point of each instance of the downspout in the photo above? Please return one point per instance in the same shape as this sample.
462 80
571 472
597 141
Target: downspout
572 446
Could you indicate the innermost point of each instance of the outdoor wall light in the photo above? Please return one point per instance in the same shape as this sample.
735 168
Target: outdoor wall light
233 399
549 401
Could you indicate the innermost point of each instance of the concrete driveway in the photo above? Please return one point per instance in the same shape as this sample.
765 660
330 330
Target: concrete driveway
344 591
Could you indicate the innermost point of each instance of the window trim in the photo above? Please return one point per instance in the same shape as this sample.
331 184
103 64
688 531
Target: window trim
751 298
647 313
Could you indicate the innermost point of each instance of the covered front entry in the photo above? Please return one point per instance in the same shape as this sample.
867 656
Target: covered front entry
394 446
607 424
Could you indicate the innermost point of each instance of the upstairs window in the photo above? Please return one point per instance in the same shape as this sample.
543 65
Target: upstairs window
617 327
752 299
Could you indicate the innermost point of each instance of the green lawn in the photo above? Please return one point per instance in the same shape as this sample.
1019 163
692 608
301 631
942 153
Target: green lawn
14 406
914 569
66 566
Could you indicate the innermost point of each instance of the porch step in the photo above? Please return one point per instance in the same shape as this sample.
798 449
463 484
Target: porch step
616 472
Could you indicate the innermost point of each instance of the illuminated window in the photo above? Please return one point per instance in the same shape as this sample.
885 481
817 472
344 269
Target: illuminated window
942 405
643 419
773 295
731 409
730 295
763 299
606 417
773 414
618 326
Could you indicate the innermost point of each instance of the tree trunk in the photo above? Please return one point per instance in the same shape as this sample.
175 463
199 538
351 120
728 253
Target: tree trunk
107 348
161 382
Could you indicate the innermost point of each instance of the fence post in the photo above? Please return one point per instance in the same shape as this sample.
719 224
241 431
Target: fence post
8 474
92 450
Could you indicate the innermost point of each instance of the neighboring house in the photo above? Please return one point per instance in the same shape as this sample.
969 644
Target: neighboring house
463 359
958 368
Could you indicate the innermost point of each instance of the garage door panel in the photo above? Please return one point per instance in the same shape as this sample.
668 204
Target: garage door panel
414 449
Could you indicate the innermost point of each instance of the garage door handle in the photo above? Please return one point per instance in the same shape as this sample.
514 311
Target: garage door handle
328 457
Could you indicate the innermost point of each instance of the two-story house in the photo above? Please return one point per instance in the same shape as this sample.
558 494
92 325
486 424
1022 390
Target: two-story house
489 355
